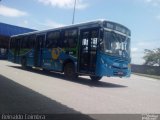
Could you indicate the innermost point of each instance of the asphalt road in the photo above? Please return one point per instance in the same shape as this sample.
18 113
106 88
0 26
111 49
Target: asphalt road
36 91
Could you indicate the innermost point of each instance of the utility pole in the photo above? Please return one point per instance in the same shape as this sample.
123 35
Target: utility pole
74 11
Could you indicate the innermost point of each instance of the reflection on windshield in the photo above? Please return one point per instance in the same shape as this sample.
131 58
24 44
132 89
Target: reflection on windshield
116 44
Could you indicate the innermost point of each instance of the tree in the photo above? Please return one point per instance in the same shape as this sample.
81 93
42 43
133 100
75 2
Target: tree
152 57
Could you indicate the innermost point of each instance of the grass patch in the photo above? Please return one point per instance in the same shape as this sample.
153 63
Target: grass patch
150 76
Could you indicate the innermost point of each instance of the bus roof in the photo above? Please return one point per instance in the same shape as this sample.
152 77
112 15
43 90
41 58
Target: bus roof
100 21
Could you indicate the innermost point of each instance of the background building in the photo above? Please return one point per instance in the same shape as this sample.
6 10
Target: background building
6 31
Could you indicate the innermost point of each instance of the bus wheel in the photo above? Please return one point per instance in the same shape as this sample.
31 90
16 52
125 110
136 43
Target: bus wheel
23 63
69 71
95 78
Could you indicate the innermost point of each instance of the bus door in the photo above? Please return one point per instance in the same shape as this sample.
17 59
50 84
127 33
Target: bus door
87 51
39 44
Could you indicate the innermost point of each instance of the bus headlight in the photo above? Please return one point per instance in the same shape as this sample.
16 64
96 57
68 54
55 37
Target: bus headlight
116 64
125 66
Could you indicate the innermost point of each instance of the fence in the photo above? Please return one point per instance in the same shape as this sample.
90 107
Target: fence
145 69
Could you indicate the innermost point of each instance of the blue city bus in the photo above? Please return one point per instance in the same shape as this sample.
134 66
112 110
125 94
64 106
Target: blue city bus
96 49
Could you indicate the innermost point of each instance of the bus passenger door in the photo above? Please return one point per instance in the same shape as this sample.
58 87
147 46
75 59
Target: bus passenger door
39 44
87 51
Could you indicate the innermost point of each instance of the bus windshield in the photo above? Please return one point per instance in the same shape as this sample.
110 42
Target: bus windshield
116 44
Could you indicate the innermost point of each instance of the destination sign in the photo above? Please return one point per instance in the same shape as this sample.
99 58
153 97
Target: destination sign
117 27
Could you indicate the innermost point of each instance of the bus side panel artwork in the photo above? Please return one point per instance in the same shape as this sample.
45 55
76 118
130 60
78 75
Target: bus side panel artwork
51 52
60 47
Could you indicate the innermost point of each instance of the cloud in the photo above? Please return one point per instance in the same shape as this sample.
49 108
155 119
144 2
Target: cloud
137 58
153 2
67 4
52 24
137 51
149 44
11 12
158 17
44 25
24 23
134 49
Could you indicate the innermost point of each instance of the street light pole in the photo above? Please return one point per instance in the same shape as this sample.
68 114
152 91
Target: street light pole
74 11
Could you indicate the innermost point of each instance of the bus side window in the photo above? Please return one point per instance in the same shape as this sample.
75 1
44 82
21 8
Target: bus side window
53 39
11 43
94 39
100 41
85 41
27 42
23 42
16 43
31 41
70 38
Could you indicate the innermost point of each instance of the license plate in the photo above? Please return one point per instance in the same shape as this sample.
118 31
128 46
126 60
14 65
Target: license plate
120 73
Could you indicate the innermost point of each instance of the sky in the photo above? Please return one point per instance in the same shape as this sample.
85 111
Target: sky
142 17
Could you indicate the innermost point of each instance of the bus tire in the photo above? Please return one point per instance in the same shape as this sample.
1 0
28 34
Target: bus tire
46 70
69 71
95 78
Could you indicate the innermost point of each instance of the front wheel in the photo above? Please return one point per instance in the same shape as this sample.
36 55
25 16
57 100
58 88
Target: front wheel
69 71
95 78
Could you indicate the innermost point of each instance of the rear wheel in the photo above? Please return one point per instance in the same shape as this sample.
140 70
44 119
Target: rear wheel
95 78
45 70
69 71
